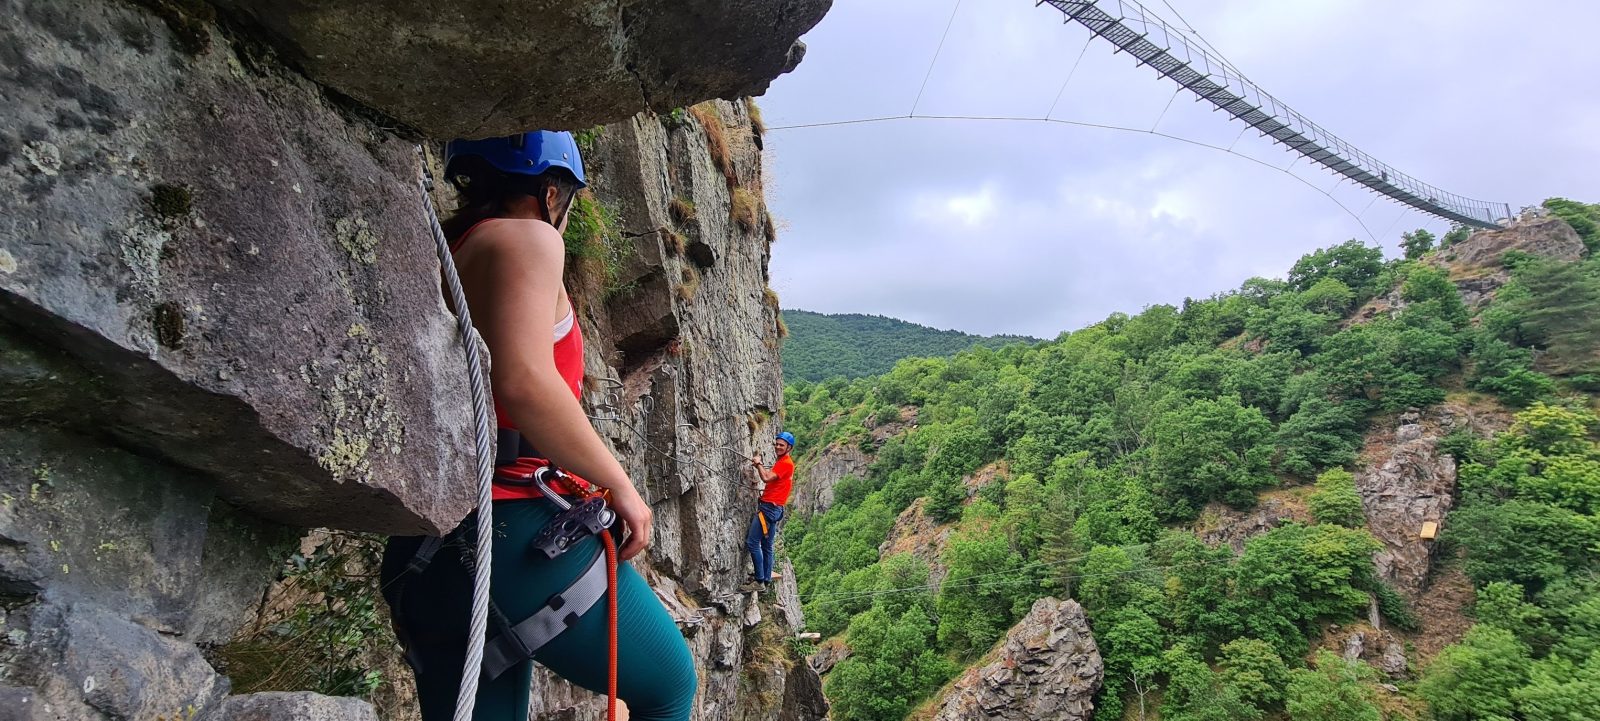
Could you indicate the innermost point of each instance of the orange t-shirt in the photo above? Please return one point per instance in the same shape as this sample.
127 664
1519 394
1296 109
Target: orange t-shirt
778 490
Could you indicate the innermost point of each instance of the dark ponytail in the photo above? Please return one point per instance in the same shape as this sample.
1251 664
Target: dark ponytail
486 193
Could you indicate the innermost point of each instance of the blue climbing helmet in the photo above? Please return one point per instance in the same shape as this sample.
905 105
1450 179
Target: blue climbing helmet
786 437
532 153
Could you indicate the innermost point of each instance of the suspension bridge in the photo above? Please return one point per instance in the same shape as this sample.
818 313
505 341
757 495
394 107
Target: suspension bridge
1198 68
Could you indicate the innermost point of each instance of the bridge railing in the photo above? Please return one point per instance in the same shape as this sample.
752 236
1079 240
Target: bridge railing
1152 41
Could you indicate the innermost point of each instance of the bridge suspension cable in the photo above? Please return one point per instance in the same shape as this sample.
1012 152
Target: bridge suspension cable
1134 29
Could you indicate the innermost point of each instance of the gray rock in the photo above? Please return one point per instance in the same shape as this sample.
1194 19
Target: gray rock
1224 525
786 599
463 68
296 706
1354 646
240 268
1393 661
1548 237
90 664
802 696
92 522
816 477
1048 667
1409 482
828 655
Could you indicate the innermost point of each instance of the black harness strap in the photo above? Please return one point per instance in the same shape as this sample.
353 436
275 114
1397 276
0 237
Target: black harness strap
520 642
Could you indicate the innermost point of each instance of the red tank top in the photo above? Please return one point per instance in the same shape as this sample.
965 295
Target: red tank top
569 363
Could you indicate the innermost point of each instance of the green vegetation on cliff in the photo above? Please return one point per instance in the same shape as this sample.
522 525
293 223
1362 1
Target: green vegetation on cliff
1108 445
851 345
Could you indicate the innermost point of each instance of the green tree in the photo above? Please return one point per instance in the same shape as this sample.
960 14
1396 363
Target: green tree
892 666
1321 433
1583 218
1336 500
985 590
1350 262
1293 576
1209 450
1330 296
1256 671
1473 680
1336 690
1559 312
1559 690
1416 243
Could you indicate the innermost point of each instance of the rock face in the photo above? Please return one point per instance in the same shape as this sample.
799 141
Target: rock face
1047 669
238 269
1234 527
818 472
1547 236
1475 262
467 68
917 533
220 324
1407 482
813 491
277 706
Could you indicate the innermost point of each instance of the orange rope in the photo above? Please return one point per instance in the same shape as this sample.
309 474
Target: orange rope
611 604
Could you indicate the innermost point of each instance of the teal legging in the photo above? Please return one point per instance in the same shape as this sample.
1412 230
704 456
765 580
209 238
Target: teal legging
655 673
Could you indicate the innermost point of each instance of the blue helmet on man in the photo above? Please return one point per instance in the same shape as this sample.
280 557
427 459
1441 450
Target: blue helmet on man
786 437
532 153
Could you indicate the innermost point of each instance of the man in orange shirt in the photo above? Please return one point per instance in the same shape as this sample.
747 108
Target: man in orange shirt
769 512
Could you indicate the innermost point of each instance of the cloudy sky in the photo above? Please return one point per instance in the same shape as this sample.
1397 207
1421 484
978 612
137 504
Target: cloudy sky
1035 228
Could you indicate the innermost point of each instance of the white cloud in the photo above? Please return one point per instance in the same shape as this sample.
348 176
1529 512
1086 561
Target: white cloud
1037 228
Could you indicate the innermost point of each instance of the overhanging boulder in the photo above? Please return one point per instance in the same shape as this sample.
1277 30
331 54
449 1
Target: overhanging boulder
215 265
490 67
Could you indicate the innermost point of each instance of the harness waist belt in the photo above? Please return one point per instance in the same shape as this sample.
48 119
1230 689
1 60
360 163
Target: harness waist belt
520 642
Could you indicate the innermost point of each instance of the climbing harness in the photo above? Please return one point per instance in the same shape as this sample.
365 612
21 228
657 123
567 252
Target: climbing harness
516 643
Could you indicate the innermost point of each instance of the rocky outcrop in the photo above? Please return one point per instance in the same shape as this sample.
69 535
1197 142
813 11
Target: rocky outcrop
279 706
813 491
828 654
237 268
1047 669
1407 481
917 533
1381 649
818 472
1222 524
220 324
463 68
1543 236
1475 263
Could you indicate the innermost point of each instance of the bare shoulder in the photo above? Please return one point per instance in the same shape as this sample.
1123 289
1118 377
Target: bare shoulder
518 237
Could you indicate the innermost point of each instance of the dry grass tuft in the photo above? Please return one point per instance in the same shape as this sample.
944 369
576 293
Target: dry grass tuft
682 210
674 241
754 110
690 285
716 140
745 209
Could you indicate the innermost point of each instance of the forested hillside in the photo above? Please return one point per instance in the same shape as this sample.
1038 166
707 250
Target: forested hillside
1238 492
850 345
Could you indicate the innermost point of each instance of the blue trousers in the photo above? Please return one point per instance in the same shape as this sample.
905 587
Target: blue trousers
763 531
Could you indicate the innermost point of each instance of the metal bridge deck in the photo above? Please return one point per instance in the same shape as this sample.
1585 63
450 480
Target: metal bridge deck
1149 39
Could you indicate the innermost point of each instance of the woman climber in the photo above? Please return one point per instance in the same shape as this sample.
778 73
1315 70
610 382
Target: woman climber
506 239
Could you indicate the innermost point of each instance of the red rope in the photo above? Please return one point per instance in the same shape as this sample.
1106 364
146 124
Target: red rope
611 640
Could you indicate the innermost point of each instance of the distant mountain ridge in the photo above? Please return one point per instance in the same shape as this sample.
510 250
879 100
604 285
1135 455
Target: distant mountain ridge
854 345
